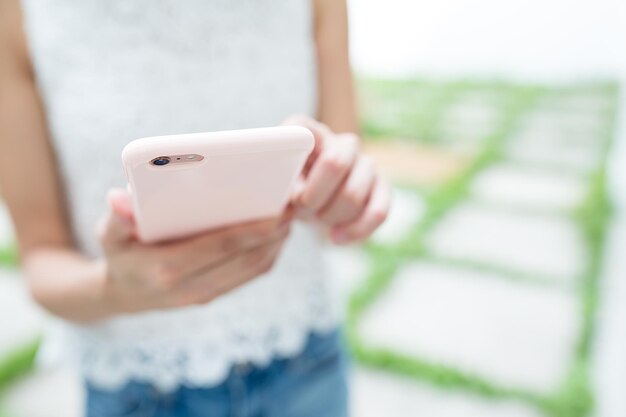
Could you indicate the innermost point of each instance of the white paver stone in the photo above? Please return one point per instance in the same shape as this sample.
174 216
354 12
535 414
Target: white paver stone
513 333
407 209
45 394
376 394
349 267
22 320
556 148
548 246
514 186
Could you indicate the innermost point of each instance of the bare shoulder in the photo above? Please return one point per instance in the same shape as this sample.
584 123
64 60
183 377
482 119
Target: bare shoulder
331 20
13 46
331 4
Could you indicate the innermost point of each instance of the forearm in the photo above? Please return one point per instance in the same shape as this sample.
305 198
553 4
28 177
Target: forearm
68 285
336 102
61 280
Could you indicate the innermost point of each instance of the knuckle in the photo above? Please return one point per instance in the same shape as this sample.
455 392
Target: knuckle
245 235
165 276
380 215
353 198
334 165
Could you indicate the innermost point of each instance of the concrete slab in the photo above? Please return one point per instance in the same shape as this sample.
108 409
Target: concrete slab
553 147
514 333
376 394
349 267
471 112
589 124
45 394
22 320
609 358
529 188
406 210
550 246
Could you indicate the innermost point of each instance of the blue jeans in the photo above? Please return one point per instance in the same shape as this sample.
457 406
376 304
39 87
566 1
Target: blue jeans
312 384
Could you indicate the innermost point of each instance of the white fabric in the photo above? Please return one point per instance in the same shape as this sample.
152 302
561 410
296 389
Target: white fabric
111 71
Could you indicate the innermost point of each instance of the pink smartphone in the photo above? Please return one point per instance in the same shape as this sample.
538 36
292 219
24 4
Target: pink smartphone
185 184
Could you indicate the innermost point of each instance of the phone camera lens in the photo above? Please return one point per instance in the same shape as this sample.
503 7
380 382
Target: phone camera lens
161 160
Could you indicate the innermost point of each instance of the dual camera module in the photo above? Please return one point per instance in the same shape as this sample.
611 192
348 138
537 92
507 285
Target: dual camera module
160 161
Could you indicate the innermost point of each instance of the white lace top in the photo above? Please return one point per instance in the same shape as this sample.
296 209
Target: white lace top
115 70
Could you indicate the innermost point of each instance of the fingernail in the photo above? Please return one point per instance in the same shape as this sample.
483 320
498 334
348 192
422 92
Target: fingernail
121 219
305 212
340 236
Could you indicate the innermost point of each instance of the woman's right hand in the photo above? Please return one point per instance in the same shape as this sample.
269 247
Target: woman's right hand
184 272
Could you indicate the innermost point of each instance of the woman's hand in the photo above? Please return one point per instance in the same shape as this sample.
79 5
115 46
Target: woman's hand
190 271
341 189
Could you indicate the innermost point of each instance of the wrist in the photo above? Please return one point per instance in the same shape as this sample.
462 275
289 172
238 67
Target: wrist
107 295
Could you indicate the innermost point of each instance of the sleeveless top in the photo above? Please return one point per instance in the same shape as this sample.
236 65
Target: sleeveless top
115 70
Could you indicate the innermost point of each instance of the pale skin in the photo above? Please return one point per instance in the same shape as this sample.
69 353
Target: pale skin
341 192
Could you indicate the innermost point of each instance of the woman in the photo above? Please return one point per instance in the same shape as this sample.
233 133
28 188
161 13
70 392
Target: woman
235 321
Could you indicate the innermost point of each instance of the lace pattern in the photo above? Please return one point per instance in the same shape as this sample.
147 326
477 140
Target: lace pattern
196 346
112 71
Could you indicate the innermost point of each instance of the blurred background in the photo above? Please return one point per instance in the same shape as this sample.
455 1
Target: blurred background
496 286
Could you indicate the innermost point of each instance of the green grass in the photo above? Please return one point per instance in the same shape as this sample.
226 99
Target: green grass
8 256
574 398
20 361
17 364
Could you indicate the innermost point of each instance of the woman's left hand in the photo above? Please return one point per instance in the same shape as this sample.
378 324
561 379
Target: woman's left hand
341 188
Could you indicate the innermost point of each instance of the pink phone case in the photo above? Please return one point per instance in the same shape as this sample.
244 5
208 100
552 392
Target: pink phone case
212 179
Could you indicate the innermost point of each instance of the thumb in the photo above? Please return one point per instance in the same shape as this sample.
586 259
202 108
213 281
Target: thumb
121 203
118 227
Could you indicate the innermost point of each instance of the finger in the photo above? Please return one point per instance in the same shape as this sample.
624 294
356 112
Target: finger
120 202
350 201
319 130
185 259
264 266
331 168
117 227
297 190
230 274
373 216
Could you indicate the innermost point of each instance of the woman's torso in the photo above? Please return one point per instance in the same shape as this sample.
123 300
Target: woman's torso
112 71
